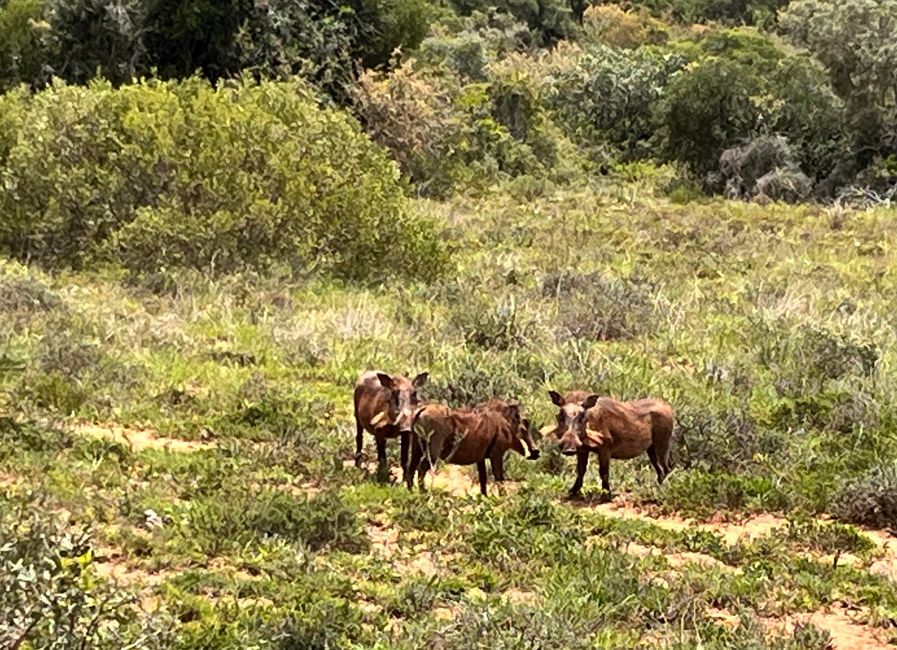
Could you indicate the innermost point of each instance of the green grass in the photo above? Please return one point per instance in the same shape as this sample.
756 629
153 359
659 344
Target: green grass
770 330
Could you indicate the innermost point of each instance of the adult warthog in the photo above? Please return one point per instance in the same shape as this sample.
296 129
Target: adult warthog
384 407
587 423
467 437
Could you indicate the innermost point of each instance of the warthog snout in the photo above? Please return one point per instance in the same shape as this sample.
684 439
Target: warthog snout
570 444
534 454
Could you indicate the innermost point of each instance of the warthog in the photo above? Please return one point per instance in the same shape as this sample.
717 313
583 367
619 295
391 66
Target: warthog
468 436
385 406
587 423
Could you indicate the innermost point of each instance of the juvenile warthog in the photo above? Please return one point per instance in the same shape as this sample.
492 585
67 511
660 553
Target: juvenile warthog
587 423
468 436
384 406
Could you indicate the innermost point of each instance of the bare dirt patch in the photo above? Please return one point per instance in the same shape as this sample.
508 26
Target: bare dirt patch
112 565
730 532
846 632
137 439
406 559
886 566
675 560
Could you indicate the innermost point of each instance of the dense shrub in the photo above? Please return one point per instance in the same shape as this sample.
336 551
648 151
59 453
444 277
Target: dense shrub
870 500
160 175
412 113
608 96
853 39
706 108
22 51
97 38
16 437
549 20
236 517
735 12
614 26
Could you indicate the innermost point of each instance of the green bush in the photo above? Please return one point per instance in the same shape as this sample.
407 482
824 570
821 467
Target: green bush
16 437
156 176
608 96
22 51
592 306
706 108
49 593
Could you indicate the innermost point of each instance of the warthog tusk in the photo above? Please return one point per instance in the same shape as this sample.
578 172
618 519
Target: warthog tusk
377 420
548 429
526 449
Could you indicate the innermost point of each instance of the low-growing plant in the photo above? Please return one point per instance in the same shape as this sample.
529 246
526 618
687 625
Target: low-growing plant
233 518
49 592
592 306
871 499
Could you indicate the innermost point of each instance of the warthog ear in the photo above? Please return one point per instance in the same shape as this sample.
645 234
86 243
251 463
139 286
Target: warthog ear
385 380
420 380
556 398
591 400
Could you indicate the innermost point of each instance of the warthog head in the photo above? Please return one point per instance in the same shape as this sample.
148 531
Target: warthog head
524 443
571 421
519 427
403 399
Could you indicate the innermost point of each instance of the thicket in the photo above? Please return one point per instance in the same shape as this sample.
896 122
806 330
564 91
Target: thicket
467 93
157 175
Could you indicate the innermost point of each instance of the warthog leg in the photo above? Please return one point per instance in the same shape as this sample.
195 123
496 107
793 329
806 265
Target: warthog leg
661 472
481 471
382 463
604 470
403 452
582 463
359 441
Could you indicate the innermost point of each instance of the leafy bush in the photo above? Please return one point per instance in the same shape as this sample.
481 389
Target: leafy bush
16 437
102 38
612 25
826 538
49 593
788 185
478 376
181 175
533 528
550 20
706 108
412 114
605 95
811 356
493 324
24 296
706 493
728 440
869 500
22 51
735 12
